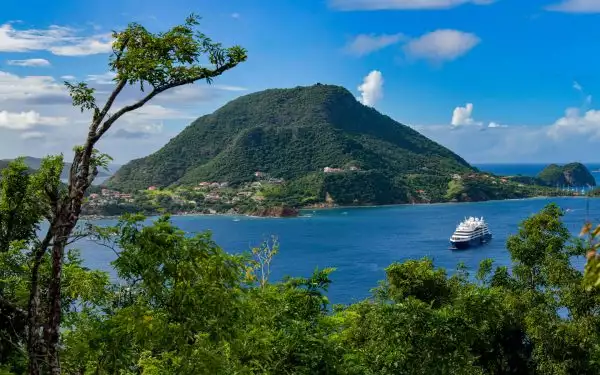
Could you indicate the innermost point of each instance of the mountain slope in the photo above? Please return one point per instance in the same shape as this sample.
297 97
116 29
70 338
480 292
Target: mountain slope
289 133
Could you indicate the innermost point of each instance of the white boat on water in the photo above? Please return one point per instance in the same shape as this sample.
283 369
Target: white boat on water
470 232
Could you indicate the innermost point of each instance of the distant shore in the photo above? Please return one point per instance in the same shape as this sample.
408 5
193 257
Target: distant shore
331 207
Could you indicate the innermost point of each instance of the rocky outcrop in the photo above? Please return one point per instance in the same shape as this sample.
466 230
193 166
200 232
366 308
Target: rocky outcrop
279 211
572 174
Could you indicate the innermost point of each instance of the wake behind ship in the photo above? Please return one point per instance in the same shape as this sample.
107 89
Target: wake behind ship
470 232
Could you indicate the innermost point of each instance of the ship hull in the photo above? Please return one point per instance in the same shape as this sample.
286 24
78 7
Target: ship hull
473 242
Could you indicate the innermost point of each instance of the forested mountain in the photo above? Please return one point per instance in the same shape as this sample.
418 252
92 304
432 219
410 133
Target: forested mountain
289 134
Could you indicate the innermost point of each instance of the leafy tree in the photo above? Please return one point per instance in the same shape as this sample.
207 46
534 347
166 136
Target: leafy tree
155 63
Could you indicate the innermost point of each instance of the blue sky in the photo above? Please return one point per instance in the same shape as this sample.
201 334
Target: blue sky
495 81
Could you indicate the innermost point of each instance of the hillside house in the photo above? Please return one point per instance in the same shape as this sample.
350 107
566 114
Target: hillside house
258 174
152 188
212 197
332 170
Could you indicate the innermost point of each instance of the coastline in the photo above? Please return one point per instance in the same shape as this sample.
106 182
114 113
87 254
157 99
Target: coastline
333 207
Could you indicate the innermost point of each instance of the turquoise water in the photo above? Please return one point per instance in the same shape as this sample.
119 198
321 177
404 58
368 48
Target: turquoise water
361 242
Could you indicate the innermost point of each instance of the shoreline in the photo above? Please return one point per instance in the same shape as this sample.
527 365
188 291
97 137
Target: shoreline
300 210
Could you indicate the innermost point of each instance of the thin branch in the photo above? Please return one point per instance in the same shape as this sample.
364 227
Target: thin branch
108 105
108 123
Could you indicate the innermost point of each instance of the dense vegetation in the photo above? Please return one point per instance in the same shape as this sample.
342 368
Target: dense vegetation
288 133
185 306
572 175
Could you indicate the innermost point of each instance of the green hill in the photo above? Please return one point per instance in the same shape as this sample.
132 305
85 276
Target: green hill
572 174
291 134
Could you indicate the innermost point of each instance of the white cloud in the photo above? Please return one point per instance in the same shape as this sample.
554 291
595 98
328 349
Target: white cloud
228 87
28 120
365 44
103 79
85 46
574 123
372 88
137 130
402 4
68 77
235 15
576 6
496 125
441 45
577 86
33 135
58 40
463 116
31 89
29 62
151 112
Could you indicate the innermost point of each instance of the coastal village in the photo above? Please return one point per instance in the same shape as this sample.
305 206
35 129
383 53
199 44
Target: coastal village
212 197
199 198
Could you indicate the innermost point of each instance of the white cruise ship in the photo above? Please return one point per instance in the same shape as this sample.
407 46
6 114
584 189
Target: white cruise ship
470 232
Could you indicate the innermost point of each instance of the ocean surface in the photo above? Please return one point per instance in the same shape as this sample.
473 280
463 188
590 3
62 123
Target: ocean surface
361 242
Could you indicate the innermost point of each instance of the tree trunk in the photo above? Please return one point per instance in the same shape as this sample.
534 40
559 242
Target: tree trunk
35 345
64 228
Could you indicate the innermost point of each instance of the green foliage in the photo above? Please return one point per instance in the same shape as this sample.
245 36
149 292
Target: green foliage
572 174
288 133
162 59
183 305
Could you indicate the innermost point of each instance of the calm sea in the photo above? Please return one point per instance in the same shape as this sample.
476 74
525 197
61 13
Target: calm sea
361 242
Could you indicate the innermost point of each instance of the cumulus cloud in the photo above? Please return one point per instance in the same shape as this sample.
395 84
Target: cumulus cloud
35 110
347 5
496 125
28 120
92 45
576 6
103 79
29 62
31 89
365 44
138 130
463 116
441 45
372 88
59 40
576 123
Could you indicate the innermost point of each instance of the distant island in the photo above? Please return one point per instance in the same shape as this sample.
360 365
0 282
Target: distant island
276 151
280 150
571 175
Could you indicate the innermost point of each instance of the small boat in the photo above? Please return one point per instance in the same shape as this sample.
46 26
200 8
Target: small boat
470 232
